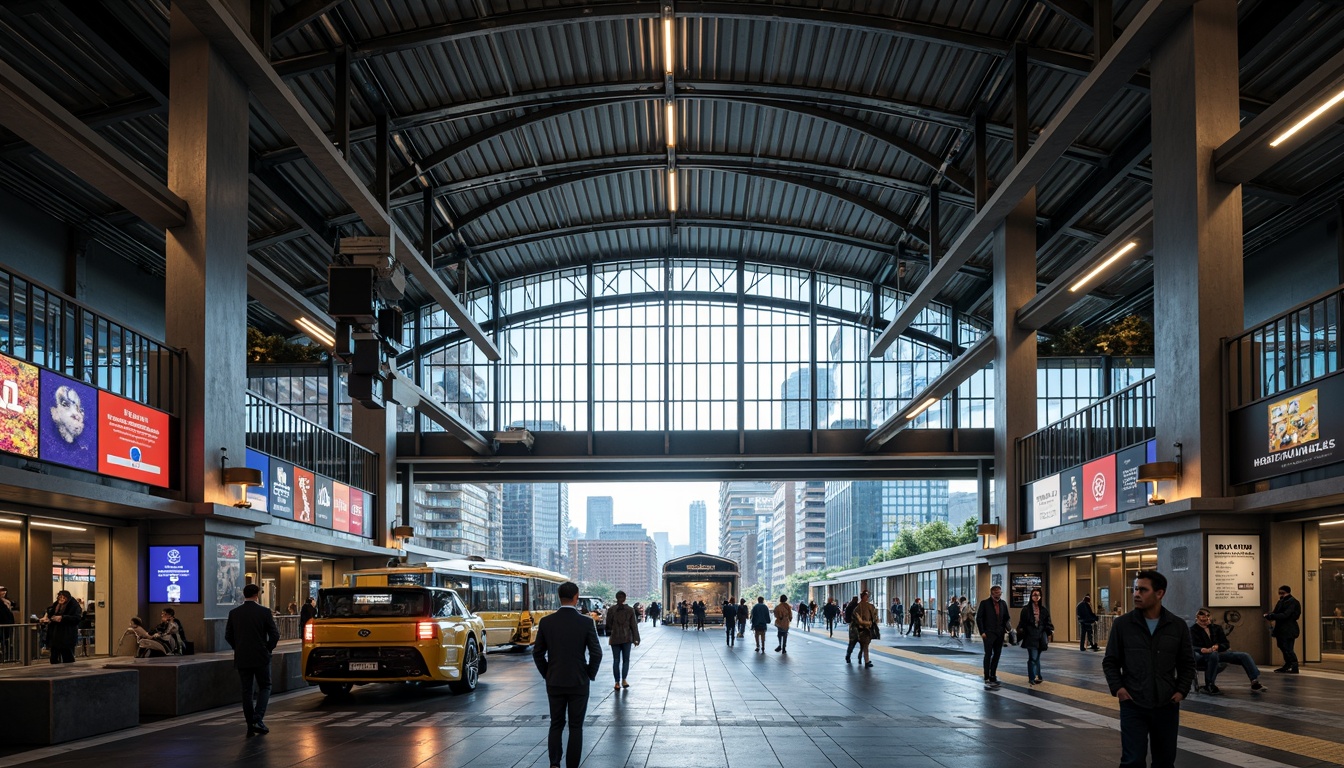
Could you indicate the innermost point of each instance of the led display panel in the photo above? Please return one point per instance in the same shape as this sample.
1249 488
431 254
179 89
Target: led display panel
174 574
18 407
133 440
69 422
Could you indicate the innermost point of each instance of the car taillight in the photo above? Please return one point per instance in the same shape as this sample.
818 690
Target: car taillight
426 630
308 632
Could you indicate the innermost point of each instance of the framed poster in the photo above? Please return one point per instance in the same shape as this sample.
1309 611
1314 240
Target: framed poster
69 418
1045 503
1234 570
18 407
175 574
1099 487
133 440
1020 586
282 489
305 496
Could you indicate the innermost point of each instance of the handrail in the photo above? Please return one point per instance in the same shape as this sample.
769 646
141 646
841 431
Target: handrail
1291 349
1110 424
284 434
47 328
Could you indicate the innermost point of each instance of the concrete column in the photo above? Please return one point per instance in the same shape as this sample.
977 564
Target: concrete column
105 633
376 430
1197 230
1288 564
206 284
1014 359
127 590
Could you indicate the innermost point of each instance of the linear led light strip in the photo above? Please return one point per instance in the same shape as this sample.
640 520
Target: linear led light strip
1131 245
313 330
671 123
672 191
40 524
1282 137
667 41
924 406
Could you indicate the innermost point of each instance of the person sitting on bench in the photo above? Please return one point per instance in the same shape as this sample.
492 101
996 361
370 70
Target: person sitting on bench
1212 652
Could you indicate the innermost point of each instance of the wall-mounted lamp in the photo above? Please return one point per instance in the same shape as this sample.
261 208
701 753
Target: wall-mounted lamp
402 532
987 530
241 478
1156 471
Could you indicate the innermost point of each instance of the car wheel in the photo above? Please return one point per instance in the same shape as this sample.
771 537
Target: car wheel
471 670
334 689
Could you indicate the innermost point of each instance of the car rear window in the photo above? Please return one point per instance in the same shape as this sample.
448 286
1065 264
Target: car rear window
374 603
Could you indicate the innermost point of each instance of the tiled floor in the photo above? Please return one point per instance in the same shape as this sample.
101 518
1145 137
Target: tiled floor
695 702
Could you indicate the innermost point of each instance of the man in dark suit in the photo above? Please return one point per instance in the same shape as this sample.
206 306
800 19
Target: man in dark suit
1284 618
562 638
252 634
993 621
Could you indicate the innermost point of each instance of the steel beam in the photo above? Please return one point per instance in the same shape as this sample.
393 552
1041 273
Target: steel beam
976 357
52 129
299 15
235 46
295 206
410 395
1149 26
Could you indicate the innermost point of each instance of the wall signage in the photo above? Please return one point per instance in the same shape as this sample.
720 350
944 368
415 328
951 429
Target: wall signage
1234 570
260 496
305 496
133 440
69 422
1097 489
1020 586
175 574
1130 493
1299 430
1044 501
282 489
18 407
1071 495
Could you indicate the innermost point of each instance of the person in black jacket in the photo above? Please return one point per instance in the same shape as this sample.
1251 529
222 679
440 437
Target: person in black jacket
62 625
730 620
252 634
1149 667
1087 624
992 619
562 639
1285 615
699 608
1036 630
1211 651
306 613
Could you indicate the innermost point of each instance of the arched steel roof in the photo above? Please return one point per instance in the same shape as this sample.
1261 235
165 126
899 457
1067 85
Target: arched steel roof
809 134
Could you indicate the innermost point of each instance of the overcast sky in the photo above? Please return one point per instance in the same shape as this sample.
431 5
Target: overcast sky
664 506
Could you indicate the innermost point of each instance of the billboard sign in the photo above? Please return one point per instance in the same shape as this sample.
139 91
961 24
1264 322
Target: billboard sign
1071 495
1099 487
69 422
305 493
1129 492
282 489
18 407
132 440
322 502
1298 430
175 574
1044 503
260 496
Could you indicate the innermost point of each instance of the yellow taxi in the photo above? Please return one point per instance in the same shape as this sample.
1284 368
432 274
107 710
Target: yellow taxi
388 634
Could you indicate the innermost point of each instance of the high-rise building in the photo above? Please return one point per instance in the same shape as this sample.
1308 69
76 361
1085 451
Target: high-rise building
461 518
624 564
962 506
738 517
783 532
699 524
765 553
809 537
680 550
600 512
536 516
622 532
664 546
862 517
796 394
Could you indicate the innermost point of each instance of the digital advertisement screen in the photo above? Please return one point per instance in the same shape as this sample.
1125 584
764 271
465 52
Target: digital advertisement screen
1099 487
357 499
69 419
175 574
323 503
304 496
282 489
18 407
1044 499
260 496
132 440
1300 429
340 507
1071 495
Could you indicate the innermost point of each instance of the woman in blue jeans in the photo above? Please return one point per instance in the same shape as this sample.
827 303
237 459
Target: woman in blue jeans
622 633
1035 629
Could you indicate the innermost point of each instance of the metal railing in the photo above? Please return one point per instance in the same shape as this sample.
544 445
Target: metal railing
287 436
1295 348
1108 425
49 329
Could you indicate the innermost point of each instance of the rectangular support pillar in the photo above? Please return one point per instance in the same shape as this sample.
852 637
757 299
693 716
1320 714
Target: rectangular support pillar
206 283
1014 358
1197 233
376 430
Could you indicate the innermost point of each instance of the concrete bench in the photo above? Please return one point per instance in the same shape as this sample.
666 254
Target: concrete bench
55 703
179 685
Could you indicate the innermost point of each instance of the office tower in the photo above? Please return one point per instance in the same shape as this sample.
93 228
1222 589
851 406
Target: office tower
809 538
536 516
738 517
458 518
862 517
664 547
783 532
626 564
600 512
699 522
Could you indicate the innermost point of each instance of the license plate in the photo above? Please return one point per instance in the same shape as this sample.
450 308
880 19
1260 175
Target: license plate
363 666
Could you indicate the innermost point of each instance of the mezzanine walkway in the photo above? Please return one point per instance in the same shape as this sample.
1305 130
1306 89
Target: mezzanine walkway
696 702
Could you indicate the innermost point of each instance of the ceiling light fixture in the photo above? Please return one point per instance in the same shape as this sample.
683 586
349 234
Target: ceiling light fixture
672 191
924 406
667 40
1131 245
1282 137
40 524
315 331
671 123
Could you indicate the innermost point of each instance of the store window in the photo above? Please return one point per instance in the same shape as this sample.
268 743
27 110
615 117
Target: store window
1332 587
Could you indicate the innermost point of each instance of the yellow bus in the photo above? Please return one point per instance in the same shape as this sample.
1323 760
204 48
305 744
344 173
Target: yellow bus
510 597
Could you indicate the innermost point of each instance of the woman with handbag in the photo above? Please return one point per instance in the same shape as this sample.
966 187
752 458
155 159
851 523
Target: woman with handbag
1035 631
865 623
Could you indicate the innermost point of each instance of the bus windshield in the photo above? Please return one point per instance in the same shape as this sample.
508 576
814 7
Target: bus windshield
373 603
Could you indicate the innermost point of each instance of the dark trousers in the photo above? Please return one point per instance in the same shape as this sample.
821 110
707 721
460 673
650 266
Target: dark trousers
1286 648
573 706
62 650
830 624
732 631
993 650
620 660
1139 726
1087 638
255 709
915 628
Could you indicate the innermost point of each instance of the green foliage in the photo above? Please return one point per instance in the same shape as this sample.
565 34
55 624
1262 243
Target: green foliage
652 597
1072 341
795 585
757 590
930 537
598 589
1132 336
274 348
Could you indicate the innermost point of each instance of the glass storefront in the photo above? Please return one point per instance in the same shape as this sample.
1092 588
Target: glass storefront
1108 577
39 557
1332 588
287 580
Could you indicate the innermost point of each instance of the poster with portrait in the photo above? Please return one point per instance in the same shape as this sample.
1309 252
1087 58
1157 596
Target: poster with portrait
304 496
1071 495
228 574
69 422
18 407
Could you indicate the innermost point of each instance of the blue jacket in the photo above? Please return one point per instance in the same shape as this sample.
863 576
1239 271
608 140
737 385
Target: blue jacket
760 616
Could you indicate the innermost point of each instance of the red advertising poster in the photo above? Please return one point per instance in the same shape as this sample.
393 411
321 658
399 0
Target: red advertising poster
132 440
1099 487
340 507
305 496
357 498
18 407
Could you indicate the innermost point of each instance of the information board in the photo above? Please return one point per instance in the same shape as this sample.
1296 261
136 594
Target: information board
1234 570
1020 586
175 574
132 440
